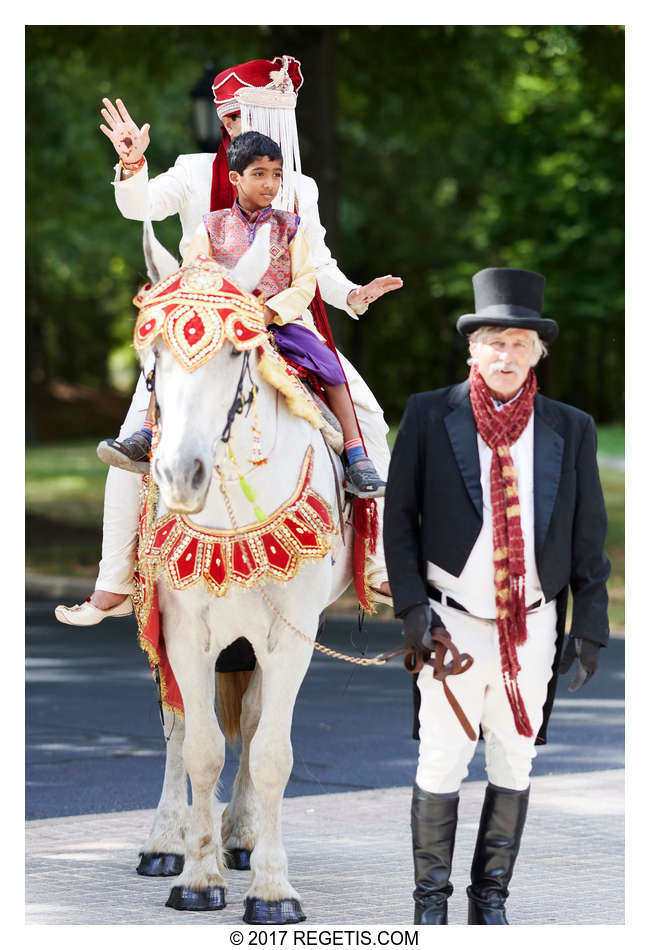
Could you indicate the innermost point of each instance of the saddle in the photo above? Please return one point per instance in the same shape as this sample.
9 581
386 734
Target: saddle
301 399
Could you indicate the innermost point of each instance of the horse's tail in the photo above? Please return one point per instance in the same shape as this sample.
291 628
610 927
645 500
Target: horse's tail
230 690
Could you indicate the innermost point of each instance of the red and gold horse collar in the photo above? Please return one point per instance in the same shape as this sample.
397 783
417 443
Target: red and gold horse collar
300 529
195 310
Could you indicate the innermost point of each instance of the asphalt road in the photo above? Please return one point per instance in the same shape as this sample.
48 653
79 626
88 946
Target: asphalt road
94 740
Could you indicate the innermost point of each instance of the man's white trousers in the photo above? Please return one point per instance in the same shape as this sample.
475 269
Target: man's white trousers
122 493
445 750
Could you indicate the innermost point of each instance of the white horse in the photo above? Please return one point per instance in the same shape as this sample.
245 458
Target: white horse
194 409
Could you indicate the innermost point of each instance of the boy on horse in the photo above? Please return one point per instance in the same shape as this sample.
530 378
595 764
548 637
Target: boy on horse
194 185
255 170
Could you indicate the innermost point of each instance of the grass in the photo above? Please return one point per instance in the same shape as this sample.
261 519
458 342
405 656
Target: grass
65 482
65 500
614 490
611 440
65 496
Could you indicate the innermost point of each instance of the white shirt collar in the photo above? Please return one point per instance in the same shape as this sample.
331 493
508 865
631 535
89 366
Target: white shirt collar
498 404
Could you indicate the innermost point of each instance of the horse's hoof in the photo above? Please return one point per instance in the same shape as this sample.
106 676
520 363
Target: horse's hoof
182 898
257 911
160 864
238 859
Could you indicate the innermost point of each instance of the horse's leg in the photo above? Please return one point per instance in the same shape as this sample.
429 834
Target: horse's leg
270 897
162 852
201 885
241 817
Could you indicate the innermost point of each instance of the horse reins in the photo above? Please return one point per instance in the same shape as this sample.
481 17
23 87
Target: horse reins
460 663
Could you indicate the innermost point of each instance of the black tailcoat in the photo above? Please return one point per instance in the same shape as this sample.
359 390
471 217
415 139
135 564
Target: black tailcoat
434 507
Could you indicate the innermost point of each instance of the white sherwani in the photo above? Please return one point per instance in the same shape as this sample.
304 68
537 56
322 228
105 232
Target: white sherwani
185 190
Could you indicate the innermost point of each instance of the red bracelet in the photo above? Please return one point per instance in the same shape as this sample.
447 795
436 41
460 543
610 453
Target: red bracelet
132 166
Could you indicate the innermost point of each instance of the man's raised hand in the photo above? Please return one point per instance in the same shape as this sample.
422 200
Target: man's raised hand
376 288
128 140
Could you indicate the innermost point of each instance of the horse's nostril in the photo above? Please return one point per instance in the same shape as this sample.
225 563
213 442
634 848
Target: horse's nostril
197 477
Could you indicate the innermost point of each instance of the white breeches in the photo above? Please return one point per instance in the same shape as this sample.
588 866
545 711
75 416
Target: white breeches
122 493
122 509
445 751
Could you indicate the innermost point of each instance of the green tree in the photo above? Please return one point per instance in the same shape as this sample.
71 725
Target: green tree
452 149
468 147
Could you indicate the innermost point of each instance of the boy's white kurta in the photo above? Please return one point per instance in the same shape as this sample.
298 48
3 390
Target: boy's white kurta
185 190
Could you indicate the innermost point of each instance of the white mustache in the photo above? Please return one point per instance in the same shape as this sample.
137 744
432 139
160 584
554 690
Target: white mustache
502 367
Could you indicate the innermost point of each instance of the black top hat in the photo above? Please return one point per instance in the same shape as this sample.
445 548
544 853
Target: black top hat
508 297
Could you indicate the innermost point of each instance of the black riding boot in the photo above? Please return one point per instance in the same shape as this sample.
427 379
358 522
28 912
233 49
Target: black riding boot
433 829
497 845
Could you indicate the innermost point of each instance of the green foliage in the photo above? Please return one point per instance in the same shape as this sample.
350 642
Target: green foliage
85 261
459 147
470 147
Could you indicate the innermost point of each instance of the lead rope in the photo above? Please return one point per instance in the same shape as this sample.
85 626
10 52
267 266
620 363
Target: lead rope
412 661
378 660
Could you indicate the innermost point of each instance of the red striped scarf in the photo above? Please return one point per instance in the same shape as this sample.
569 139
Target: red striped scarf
499 430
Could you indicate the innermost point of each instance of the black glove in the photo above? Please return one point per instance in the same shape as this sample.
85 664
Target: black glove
416 628
588 654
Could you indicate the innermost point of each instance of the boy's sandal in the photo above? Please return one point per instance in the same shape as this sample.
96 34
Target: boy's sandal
361 479
131 454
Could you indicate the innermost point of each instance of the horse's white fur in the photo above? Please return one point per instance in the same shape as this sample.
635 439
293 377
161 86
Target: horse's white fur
252 265
160 263
199 625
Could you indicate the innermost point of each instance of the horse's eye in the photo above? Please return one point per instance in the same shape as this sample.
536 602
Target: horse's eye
236 352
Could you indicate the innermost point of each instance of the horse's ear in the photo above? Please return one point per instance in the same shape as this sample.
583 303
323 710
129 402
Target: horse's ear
160 263
252 265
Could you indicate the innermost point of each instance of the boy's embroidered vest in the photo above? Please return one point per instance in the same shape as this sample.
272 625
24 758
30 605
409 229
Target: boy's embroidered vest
231 235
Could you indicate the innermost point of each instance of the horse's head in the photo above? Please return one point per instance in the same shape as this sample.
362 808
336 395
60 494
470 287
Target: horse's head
201 324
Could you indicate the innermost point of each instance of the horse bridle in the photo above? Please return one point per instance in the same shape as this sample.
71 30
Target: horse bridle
240 403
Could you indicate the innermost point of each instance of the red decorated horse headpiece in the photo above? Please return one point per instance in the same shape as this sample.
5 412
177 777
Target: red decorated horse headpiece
196 310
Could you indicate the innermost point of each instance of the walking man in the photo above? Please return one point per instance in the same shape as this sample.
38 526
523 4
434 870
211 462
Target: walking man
494 509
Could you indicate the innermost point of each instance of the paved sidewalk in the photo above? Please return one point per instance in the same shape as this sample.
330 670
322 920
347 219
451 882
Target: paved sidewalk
350 859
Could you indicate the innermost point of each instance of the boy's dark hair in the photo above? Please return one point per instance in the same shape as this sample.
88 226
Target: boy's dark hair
248 146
